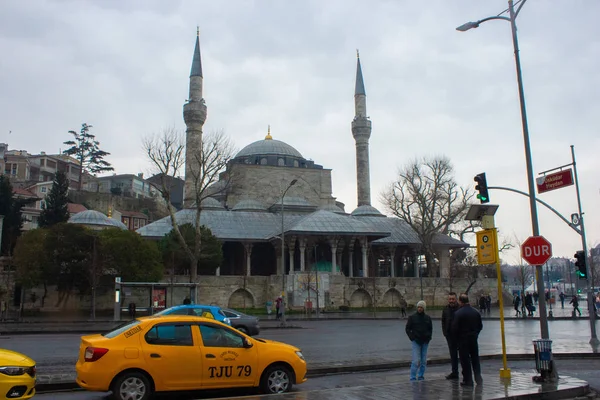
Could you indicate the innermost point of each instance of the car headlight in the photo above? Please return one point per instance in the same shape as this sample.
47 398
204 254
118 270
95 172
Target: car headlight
299 354
13 371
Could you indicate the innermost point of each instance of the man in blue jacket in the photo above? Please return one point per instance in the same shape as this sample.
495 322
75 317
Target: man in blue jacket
466 327
419 330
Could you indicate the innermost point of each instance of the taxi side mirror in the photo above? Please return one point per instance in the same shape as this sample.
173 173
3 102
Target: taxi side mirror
247 343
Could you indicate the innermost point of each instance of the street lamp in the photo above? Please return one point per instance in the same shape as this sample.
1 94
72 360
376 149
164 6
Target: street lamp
530 178
282 306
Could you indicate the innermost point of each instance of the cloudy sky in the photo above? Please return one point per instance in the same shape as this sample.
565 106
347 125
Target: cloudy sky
123 66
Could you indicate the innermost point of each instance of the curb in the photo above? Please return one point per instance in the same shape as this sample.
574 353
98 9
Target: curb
346 369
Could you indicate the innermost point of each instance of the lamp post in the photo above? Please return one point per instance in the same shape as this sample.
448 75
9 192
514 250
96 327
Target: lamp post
282 306
530 178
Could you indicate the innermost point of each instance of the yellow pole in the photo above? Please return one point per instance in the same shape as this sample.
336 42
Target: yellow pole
505 371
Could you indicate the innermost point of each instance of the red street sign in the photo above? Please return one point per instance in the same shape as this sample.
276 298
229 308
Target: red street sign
556 180
536 250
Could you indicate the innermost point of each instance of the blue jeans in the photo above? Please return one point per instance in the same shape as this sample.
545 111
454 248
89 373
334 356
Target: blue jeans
419 360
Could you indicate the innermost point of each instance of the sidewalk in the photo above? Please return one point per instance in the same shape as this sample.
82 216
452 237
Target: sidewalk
45 325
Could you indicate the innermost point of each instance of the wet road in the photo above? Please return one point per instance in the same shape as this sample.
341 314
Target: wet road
582 369
342 341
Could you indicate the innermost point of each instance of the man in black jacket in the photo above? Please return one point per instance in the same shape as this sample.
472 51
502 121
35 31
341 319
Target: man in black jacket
419 330
447 318
466 327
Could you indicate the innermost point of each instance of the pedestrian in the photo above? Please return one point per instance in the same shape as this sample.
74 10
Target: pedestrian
466 327
447 318
575 302
562 299
482 304
132 310
278 308
529 304
488 303
403 307
187 301
516 302
536 297
419 330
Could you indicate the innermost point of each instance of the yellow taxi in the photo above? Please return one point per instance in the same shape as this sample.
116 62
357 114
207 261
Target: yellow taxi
184 353
17 375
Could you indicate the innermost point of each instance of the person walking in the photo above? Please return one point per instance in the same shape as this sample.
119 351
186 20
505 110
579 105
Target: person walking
529 304
403 307
482 304
466 327
575 302
278 308
562 299
516 303
447 318
419 330
488 304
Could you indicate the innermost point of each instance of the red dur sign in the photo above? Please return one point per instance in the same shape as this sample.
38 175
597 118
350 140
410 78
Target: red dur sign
556 180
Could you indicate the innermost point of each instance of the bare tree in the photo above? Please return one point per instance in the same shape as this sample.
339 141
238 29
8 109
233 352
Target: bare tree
166 153
427 197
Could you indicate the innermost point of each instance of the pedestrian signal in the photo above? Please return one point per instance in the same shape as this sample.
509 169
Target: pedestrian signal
482 188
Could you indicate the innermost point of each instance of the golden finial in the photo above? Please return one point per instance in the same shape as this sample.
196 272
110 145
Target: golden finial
269 137
197 30
357 54
109 212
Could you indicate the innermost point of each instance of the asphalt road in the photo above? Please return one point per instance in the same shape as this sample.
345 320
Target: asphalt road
582 369
345 341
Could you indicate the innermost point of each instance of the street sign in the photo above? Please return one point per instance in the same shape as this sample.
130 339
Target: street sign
554 181
536 250
486 247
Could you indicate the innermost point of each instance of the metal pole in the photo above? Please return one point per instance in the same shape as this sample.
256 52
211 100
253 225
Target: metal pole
505 371
530 178
594 338
282 306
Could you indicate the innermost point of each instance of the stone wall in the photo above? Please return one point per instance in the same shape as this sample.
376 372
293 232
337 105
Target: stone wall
102 201
266 183
254 291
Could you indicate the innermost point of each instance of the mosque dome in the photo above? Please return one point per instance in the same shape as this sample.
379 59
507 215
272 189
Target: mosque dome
249 205
366 211
269 147
94 218
210 203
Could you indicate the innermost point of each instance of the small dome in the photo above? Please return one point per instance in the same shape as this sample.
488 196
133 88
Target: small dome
268 147
332 208
366 211
95 218
295 201
211 203
249 205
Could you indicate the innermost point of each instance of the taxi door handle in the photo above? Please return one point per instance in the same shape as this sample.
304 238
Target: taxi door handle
210 356
154 355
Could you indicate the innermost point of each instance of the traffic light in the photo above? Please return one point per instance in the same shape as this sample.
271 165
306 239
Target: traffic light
581 264
481 186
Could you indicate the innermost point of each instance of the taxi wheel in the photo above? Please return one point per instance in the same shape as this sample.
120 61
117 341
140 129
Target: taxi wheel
276 379
132 386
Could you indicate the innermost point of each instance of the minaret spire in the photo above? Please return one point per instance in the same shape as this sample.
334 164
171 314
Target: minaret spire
361 131
194 115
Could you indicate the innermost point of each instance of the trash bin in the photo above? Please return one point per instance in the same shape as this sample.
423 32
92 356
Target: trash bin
269 305
543 355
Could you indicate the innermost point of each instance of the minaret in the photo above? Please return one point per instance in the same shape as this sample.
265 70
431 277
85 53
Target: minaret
194 115
361 130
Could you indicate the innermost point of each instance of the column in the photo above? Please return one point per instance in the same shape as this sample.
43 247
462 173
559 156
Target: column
218 271
351 262
292 249
365 260
392 256
416 265
302 247
340 252
278 257
333 258
444 257
248 248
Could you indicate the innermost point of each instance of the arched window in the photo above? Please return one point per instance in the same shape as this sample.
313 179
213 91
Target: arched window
281 162
296 163
263 161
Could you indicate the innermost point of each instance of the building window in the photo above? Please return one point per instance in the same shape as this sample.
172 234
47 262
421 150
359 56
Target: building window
136 223
42 204
43 189
263 161
281 162
296 163
14 169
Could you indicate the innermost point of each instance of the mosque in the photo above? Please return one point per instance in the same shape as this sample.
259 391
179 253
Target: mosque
270 190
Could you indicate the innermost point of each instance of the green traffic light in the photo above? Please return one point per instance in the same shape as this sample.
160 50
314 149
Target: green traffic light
481 197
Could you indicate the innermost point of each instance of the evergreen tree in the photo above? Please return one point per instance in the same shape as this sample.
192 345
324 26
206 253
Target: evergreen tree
86 149
11 209
56 208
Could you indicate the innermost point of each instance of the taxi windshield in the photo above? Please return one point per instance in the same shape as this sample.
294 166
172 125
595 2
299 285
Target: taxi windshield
120 329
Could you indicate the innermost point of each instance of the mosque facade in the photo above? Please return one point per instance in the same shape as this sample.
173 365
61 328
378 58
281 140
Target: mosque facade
270 188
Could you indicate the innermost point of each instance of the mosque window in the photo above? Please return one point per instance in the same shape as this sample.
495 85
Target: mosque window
296 164
281 162
263 161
